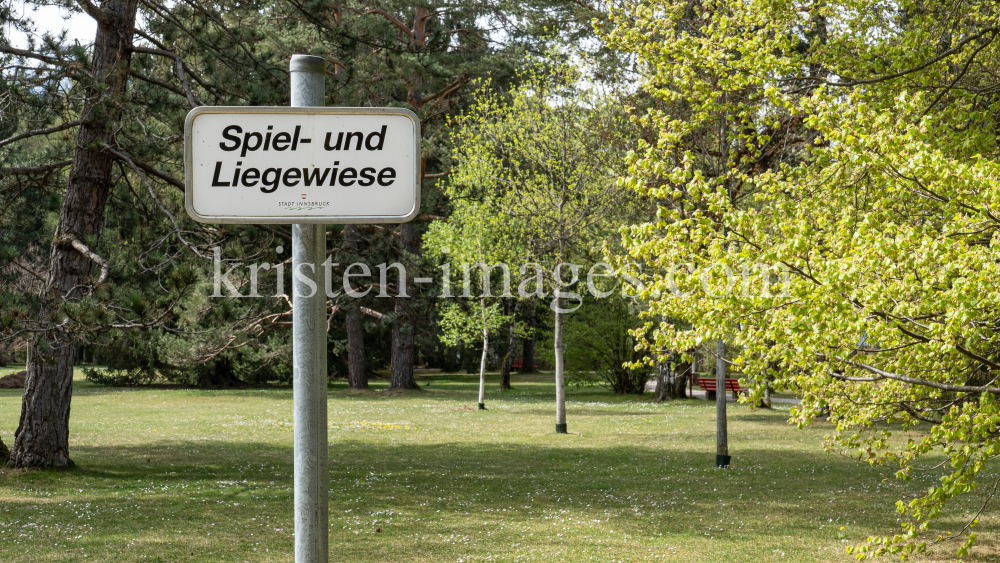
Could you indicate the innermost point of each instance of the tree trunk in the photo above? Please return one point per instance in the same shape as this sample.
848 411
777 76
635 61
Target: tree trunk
508 359
4 453
403 353
222 376
42 438
482 361
768 387
357 368
682 373
357 374
403 329
560 373
528 344
721 435
660 393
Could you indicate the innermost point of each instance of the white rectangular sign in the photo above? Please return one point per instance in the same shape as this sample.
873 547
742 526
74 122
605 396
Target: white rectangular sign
302 165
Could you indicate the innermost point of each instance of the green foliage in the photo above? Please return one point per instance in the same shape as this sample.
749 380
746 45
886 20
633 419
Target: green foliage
467 327
842 147
112 377
600 349
545 156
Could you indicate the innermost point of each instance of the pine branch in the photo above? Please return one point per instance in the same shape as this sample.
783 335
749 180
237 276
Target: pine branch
28 170
36 132
179 68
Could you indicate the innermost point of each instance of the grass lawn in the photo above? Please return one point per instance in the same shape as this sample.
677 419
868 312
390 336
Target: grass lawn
169 475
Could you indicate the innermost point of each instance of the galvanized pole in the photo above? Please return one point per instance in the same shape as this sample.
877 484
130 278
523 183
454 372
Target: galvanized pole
309 352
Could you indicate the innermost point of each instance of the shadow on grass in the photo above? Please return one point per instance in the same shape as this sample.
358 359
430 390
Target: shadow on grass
469 488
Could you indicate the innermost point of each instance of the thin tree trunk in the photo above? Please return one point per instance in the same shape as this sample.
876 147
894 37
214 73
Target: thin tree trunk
357 374
560 373
767 391
528 344
357 368
693 373
721 431
508 359
482 361
42 437
403 329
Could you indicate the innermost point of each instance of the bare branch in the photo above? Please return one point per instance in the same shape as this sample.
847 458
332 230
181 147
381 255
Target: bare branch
440 175
86 251
372 313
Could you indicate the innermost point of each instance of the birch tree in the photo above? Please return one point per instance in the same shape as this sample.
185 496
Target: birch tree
547 155
471 241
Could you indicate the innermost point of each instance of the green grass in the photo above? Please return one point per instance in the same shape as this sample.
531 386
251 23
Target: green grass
173 475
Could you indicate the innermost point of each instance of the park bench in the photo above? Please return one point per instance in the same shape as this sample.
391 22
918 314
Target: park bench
516 365
707 385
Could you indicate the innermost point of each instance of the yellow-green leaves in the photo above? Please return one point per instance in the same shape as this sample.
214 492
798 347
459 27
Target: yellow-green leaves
827 138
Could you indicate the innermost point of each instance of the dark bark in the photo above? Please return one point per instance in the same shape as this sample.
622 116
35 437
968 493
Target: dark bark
403 329
528 344
4 453
222 376
357 374
357 368
403 349
508 359
42 437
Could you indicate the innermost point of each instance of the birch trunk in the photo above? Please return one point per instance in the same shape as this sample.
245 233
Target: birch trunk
482 361
560 372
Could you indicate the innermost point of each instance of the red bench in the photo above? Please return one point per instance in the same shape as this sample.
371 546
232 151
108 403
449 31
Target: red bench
516 365
707 385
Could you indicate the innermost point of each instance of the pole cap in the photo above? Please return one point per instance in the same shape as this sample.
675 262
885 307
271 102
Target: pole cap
307 63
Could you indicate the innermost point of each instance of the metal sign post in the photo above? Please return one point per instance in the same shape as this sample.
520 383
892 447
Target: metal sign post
309 166
309 353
